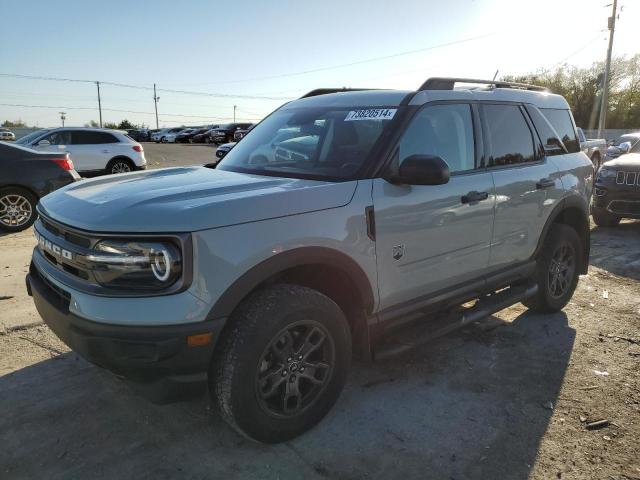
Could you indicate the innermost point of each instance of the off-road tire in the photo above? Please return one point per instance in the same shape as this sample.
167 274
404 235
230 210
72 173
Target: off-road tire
253 327
605 219
545 301
17 195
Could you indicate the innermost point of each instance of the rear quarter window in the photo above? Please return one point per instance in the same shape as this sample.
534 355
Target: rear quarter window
562 122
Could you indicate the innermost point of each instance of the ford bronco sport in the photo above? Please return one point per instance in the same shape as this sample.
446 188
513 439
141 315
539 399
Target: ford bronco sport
342 220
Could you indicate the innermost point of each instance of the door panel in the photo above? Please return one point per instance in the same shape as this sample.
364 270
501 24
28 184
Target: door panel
521 210
427 236
427 239
527 184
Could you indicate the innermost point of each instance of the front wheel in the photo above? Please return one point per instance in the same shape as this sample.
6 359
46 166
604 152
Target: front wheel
605 219
17 209
282 363
556 270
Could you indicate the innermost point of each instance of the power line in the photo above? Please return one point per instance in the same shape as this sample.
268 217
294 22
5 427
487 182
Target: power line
359 62
119 111
141 87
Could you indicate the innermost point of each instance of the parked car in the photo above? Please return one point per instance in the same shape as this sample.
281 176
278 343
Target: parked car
26 176
170 137
203 137
186 136
617 191
594 148
6 135
223 149
238 134
260 278
93 150
627 143
139 134
224 133
161 135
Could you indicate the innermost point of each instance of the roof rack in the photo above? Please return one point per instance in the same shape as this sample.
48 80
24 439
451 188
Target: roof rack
325 91
446 83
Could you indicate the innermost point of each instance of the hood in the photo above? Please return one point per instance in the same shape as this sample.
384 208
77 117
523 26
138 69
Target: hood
187 199
628 160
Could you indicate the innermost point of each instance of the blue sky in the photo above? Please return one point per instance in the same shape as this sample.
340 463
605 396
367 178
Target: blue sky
261 48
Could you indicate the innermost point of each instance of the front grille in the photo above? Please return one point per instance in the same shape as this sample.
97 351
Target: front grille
75 244
624 207
67 235
628 178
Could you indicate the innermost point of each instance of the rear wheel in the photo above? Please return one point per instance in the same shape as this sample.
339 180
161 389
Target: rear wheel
282 364
556 270
17 209
605 219
120 165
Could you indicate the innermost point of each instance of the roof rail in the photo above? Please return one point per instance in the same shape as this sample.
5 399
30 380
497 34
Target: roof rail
445 83
325 91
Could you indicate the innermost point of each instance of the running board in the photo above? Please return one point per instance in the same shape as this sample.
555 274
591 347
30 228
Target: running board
421 332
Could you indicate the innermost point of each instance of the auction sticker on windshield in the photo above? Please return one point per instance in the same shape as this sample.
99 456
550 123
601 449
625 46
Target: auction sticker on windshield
371 114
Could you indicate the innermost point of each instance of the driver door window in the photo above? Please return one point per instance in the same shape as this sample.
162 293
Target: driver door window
59 138
442 130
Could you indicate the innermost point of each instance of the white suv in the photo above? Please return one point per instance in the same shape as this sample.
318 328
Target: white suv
91 149
6 135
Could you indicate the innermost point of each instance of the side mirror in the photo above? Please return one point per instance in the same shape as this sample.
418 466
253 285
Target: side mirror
43 143
625 147
423 170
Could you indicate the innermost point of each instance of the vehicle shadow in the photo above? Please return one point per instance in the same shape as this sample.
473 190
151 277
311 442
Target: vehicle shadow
618 248
473 404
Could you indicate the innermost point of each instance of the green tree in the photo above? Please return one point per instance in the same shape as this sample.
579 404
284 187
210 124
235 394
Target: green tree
92 124
111 125
126 124
582 88
16 124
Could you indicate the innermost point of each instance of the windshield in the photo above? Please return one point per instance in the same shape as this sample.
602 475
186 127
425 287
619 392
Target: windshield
27 139
319 143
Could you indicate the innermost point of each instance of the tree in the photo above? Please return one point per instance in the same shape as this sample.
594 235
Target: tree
582 88
16 124
126 124
92 124
111 125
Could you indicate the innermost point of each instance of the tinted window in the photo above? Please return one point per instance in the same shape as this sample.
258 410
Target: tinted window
442 130
548 136
92 138
562 123
508 135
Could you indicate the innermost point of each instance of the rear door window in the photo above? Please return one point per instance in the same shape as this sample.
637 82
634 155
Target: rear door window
563 124
59 138
92 138
509 138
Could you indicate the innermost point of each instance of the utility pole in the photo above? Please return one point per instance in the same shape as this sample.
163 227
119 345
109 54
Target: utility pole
99 104
607 72
63 116
234 113
155 103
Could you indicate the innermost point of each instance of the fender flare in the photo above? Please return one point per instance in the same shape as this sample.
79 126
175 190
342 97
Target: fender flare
297 257
572 201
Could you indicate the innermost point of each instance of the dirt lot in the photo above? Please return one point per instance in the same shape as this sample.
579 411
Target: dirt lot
509 397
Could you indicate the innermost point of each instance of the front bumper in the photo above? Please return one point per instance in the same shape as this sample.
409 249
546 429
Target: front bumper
156 360
620 200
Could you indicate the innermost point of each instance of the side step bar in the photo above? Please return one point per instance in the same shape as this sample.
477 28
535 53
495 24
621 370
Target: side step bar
423 332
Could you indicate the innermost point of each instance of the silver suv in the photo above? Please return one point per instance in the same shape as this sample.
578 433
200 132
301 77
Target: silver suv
341 220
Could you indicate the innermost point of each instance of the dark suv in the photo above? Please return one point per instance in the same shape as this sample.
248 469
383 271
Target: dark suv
224 133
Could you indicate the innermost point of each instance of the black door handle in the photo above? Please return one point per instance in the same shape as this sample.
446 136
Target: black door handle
545 183
474 196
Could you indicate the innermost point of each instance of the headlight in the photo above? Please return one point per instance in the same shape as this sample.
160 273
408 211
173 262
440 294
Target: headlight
607 173
133 264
